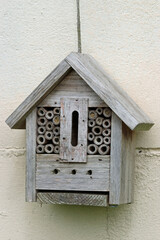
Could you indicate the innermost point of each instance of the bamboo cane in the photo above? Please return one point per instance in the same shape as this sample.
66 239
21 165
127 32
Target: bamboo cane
97 130
48 135
41 130
98 140
56 149
91 136
56 120
56 131
92 149
107 112
99 121
41 139
40 149
91 123
41 121
103 149
106 123
56 110
99 110
49 115
49 126
107 140
49 148
41 112
106 132
55 140
92 114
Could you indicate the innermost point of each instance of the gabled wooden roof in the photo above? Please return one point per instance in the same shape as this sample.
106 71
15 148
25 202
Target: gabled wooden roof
92 73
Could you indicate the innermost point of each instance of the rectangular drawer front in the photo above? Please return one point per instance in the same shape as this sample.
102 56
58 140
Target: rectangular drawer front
90 176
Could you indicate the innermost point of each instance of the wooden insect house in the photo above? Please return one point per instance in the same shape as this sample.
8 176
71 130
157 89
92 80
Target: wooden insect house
79 136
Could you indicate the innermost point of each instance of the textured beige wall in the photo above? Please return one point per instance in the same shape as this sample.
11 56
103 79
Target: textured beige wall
124 36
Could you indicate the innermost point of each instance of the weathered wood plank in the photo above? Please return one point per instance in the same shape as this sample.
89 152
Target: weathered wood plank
73 198
73 85
31 157
116 160
69 152
109 91
17 118
127 167
91 159
122 163
54 175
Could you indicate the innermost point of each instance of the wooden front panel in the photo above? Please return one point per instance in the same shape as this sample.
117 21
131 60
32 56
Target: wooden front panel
54 175
69 151
72 86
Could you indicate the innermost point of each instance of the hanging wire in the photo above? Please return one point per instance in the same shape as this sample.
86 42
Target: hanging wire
78 27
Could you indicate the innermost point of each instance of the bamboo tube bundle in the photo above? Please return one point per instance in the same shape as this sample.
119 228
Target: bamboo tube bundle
92 149
49 115
49 148
107 140
106 132
107 112
41 139
97 130
56 149
106 123
41 121
98 140
48 135
56 131
91 123
91 136
41 130
49 126
56 120
41 112
92 114
99 127
40 149
103 149
56 110
99 111
55 140
99 121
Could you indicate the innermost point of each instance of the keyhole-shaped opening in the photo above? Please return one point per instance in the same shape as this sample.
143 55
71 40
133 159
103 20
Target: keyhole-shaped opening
75 119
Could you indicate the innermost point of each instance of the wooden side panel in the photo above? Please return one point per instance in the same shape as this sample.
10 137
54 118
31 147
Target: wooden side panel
68 152
127 169
116 160
31 157
73 86
54 175
122 163
73 198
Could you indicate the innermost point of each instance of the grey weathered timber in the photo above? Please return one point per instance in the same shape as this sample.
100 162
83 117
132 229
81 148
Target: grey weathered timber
73 85
116 160
128 165
68 152
109 91
73 198
54 175
17 118
31 156
122 163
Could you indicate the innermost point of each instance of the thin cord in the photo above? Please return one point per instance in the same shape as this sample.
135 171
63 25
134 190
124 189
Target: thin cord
79 27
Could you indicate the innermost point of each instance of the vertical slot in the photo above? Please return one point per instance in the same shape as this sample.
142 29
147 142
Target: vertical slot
75 120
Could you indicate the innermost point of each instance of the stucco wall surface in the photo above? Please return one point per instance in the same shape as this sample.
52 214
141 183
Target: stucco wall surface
124 36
